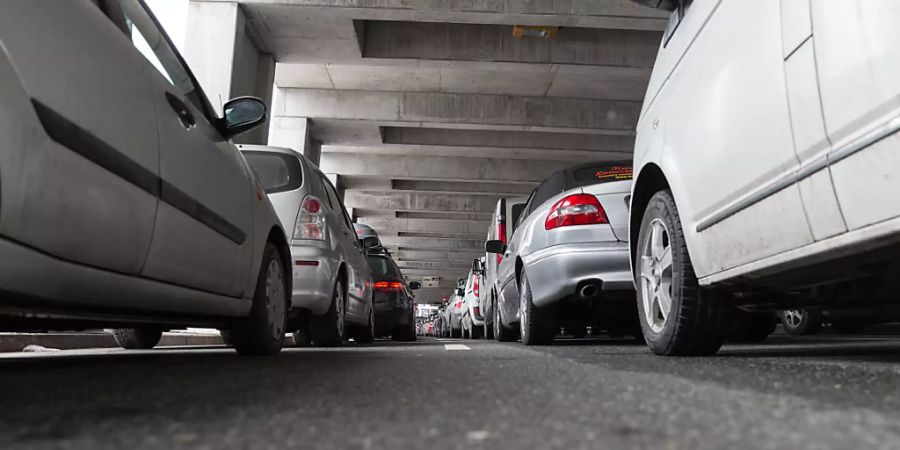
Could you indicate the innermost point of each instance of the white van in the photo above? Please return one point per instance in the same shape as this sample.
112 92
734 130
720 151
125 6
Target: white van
765 165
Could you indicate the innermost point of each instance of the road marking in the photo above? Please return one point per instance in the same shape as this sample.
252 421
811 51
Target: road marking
456 347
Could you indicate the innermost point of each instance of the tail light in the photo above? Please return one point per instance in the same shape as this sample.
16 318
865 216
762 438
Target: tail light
388 286
577 209
501 235
475 285
476 311
310 220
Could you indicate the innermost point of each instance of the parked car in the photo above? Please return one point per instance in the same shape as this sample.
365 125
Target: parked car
473 320
803 321
566 264
455 308
394 303
766 166
124 202
367 236
332 294
503 220
439 327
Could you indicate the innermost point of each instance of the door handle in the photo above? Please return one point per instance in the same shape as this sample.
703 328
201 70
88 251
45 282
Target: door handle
185 116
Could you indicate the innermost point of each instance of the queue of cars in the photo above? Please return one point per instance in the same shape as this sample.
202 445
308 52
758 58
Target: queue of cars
125 204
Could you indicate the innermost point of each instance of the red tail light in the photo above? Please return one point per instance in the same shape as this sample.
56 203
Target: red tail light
310 220
388 286
577 209
476 311
475 284
501 235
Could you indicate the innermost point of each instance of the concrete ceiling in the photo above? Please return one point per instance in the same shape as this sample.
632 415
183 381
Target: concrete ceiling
428 111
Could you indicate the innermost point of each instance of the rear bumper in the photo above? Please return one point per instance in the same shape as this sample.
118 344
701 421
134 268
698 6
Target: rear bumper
313 283
555 272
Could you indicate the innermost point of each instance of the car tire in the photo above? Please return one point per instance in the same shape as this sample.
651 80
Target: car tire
137 338
693 324
328 329
407 334
366 334
475 332
538 326
262 331
501 333
800 322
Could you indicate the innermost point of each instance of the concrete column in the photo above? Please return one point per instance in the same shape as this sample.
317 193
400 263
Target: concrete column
293 133
226 60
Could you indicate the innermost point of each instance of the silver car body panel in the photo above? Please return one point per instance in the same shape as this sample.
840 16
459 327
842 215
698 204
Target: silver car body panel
505 211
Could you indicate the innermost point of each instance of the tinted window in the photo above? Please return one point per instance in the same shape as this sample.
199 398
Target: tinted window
516 213
276 172
601 173
548 189
383 267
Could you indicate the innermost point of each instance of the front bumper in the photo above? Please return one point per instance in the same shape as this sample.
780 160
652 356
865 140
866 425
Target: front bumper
314 275
555 272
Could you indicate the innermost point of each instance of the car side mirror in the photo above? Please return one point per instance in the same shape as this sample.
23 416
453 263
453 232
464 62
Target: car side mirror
413 285
370 242
242 114
495 246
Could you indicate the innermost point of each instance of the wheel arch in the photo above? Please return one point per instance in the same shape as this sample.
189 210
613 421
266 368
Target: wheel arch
649 181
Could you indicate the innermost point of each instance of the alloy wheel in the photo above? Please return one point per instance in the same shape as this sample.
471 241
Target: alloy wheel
656 276
793 317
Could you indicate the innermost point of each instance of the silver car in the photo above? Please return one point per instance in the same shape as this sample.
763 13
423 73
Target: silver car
503 221
567 262
332 296
473 318
124 202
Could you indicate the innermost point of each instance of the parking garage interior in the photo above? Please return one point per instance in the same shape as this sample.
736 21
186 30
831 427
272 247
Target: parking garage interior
424 114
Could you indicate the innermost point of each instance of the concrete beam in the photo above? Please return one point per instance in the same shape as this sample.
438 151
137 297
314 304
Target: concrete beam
508 139
482 42
441 168
458 258
392 201
382 224
472 109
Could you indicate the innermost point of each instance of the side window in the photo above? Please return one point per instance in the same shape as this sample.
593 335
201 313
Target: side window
526 210
335 200
324 186
152 43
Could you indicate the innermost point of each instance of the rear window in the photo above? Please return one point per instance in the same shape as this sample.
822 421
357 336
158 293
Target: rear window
276 172
382 266
601 174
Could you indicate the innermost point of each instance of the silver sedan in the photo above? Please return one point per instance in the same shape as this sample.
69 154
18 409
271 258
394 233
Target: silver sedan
566 264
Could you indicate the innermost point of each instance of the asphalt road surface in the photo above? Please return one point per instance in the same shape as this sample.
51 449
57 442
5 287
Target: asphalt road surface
823 392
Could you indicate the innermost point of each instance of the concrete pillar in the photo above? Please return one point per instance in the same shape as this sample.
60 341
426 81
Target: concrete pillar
226 60
293 133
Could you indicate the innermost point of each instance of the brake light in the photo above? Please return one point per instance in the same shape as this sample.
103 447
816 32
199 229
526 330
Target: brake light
501 235
577 209
475 284
310 220
388 286
476 311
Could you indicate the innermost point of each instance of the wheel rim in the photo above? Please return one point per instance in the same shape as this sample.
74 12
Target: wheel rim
523 306
339 308
793 317
275 304
656 276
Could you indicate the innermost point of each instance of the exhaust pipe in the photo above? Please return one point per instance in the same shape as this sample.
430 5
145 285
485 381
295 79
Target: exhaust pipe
589 290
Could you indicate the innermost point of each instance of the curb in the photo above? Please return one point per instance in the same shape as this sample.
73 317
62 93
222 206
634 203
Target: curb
15 342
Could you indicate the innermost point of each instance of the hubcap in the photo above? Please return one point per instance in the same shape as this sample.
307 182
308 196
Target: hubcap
275 304
656 276
793 317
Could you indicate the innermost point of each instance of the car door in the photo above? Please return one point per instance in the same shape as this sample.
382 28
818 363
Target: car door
858 67
358 292
89 193
728 150
204 219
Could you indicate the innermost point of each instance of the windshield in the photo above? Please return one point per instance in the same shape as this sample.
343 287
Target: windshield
276 172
